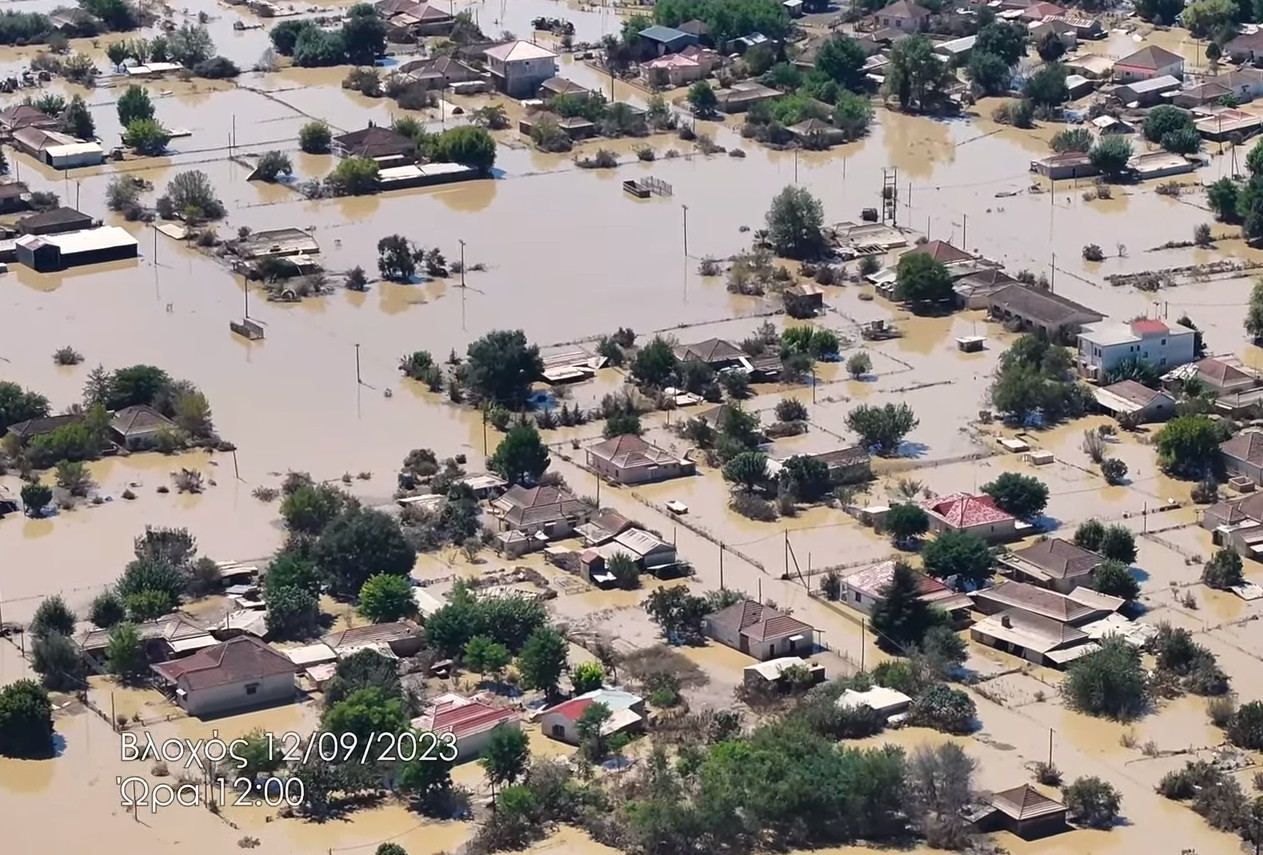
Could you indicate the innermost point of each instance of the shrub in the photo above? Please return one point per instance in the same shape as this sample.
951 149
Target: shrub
1092 802
315 138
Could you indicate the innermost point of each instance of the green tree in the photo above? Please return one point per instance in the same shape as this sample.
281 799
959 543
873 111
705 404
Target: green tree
1254 311
1023 496
1109 682
501 367
1210 19
365 669
149 574
625 571
365 713
363 35
841 59
137 384
521 456
174 546
26 720
1047 86
915 75
273 164
806 478
310 508
192 195
505 756
291 570
355 176
703 100
852 114
906 522
882 427
900 618
76 119
655 364
1090 801
1245 729
942 649
292 612
426 781
1250 207
587 677
124 657
35 498
958 553
1089 534
467 145
1222 198
17 405
316 48
920 278
1002 39
485 656
1114 579
134 104
1110 155
1050 47
313 137
1183 141
989 73
795 223
1222 571
678 613
145 606
623 423
542 660
943 708
390 849
384 598
1160 11
1188 446
588 728
1072 139
107 609
749 469
261 754
1113 470
56 659
1118 544
395 262
359 544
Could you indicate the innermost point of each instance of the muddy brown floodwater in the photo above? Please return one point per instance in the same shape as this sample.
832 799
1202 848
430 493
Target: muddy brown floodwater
568 257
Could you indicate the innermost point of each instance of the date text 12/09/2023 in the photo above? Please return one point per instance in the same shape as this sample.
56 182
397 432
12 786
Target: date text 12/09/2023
329 747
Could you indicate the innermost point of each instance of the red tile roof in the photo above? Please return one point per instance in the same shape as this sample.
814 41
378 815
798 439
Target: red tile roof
1148 326
962 510
571 709
467 719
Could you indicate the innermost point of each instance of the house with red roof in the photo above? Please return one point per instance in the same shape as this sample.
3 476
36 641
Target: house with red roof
865 588
974 514
1164 345
240 674
627 712
1148 63
761 631
471 721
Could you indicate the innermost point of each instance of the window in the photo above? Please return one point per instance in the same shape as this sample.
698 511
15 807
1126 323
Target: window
858 598
559 731
252 688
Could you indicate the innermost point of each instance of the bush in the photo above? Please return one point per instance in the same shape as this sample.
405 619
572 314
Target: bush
943 708
1109 682
1245 730
315 138
1092 802
791 410
192 196
1113 470
1223 571
216 68
273 164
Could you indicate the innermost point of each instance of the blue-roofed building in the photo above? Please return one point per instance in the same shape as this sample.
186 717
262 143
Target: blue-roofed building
667 39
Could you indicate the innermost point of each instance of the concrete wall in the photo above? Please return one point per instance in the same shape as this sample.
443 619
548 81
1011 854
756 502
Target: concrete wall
1243 467
219 700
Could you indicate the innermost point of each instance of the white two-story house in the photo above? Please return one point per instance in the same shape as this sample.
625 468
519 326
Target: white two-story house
1102 346
519 68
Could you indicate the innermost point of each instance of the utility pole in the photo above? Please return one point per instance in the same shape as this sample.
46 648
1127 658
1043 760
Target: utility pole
721 566
462 263
1050 746
795 166
245 282
485 449
686 229
861 644
357 364
1052 275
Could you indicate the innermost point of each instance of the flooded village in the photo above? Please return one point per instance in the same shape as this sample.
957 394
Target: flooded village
711 425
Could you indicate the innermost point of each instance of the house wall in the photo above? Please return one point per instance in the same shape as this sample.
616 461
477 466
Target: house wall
1005 530
1005 647
899 23
469 747
557 726
1131 73
71 161
724 636
1161 409
861 601
521 78
1243 467
773 648
637 474
239 696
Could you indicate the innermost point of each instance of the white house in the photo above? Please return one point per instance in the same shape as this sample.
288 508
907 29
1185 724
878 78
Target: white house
627 711
1102 346
237 675
974 514
519 68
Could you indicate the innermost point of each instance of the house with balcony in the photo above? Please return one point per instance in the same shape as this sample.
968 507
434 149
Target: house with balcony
519 68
